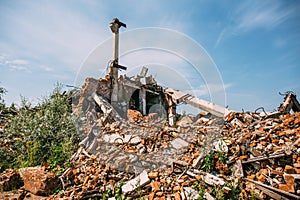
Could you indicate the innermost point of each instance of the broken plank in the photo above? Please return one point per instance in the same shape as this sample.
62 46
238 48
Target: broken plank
260 158
271 193
274 189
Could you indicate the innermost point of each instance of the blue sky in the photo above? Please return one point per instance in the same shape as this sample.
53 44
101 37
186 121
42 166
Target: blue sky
254 44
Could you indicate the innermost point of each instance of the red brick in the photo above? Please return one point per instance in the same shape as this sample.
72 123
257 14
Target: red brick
287 187
289 169
151 196
155 186
289 179
153 175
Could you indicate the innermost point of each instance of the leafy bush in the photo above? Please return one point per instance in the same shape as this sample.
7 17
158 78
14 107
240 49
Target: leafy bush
44 133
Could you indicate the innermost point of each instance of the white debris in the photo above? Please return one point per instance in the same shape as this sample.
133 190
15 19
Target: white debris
179 143
191 193
221 146
208 196
137 182
122 139
213 180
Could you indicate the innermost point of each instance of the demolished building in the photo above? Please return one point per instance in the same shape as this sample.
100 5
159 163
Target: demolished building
133 146
141 93
131 127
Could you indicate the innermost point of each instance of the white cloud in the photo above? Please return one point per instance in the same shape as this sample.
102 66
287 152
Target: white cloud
14 64
17 62
208 89
220 37
176 21
3 59
46 68
266 15
253 15
19 68
54 34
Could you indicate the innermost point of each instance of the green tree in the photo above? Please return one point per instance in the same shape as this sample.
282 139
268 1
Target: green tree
44 133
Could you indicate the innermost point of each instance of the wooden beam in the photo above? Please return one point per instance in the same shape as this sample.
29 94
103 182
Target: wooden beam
293 196
260 158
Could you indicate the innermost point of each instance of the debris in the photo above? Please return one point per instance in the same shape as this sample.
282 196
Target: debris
261 158
10 179
191 193
180 97
38 181
208 196
135 183
239 172
178 143
124 139
184 121
220 146
153 175
213 180
159 161
290 102
281 192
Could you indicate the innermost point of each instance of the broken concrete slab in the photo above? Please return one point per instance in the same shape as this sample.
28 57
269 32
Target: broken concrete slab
213 180
179 143
135 183
214 109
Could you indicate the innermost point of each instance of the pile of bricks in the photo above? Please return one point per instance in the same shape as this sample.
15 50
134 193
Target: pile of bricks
241 156
246 155
268 148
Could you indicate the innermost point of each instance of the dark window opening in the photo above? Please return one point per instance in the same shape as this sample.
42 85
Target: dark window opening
134 100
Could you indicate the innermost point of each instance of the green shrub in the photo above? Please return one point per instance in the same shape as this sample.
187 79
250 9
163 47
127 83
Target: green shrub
44 133
210 159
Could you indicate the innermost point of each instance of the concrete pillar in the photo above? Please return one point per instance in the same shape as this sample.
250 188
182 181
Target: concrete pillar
171 110
142 101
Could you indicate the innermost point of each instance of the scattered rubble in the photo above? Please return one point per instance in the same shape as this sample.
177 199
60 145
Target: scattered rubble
38 181
135 146
10 179
250 155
